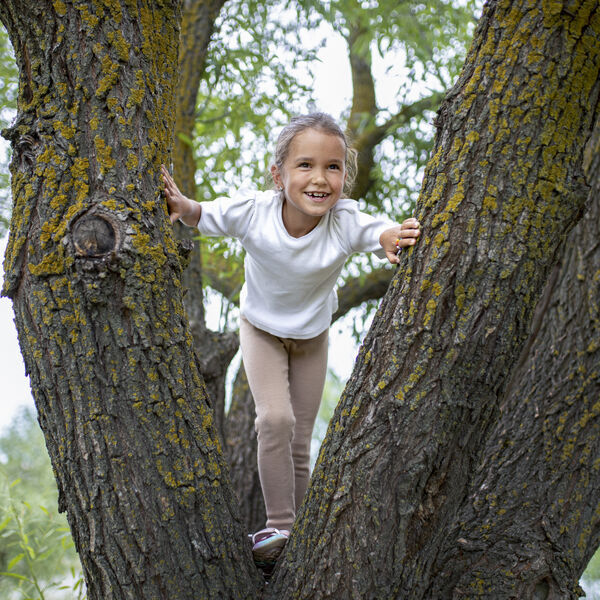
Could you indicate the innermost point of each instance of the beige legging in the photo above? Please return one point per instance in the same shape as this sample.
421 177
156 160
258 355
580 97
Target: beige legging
286 378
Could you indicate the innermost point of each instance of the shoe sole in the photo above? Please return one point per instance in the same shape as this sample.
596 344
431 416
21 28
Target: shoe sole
269 552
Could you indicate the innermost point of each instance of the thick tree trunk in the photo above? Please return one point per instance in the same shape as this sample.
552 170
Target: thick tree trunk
531 519
501 192
94 276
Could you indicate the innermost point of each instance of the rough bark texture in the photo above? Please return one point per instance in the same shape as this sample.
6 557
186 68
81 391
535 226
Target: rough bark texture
94 276
531 520
502 190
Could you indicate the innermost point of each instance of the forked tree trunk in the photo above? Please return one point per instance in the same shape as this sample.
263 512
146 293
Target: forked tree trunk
504 187
94 275
95 279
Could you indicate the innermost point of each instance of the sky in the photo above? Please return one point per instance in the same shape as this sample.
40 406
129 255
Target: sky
332 92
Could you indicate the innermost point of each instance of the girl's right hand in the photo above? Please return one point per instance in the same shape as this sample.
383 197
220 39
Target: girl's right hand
179 206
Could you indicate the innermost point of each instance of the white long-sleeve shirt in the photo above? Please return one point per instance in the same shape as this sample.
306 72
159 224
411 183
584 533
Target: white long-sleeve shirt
290 282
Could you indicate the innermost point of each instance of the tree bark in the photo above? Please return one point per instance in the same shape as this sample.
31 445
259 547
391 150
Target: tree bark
501 192
94 275
531 520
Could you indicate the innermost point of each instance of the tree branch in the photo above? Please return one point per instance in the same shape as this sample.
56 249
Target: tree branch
357 290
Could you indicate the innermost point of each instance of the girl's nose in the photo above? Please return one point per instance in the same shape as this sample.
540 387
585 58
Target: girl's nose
318 176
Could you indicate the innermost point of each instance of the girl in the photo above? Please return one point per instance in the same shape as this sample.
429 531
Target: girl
297 239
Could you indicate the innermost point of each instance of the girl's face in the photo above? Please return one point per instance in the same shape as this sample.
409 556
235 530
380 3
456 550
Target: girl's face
312 178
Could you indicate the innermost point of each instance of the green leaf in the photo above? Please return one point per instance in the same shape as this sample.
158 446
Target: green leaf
4 523
16 576
15 561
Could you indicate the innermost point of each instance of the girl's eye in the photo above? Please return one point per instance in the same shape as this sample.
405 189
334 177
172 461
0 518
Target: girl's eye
304 165
334 167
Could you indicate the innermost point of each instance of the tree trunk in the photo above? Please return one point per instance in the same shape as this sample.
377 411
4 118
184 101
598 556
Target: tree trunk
94 275
531 520
501 192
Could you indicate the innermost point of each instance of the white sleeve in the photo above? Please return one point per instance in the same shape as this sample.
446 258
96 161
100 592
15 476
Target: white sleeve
227 217
358 231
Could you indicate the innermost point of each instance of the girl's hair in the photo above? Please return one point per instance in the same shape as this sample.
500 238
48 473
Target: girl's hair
322 122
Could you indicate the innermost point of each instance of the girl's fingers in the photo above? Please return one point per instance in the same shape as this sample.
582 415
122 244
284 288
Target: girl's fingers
171 191
409 233
392 257
405 241
410 225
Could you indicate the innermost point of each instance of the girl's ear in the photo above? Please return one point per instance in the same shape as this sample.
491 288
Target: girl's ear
276 176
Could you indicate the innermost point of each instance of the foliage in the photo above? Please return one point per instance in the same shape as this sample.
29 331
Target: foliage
590 580
592 571
37 555
250 87
260 62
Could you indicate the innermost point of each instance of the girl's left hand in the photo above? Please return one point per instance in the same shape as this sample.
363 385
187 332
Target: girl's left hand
401 236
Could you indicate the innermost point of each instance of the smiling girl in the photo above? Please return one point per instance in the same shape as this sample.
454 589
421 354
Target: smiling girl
297 239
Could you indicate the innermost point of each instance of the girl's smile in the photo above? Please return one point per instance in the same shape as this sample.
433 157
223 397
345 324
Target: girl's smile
312 179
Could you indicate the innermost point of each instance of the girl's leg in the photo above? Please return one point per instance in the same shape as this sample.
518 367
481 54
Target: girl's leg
308 368
266 363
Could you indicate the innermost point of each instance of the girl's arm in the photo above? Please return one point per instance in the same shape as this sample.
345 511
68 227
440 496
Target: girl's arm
400 236
180 207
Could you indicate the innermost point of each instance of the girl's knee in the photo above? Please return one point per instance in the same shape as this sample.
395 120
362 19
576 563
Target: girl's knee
276 422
